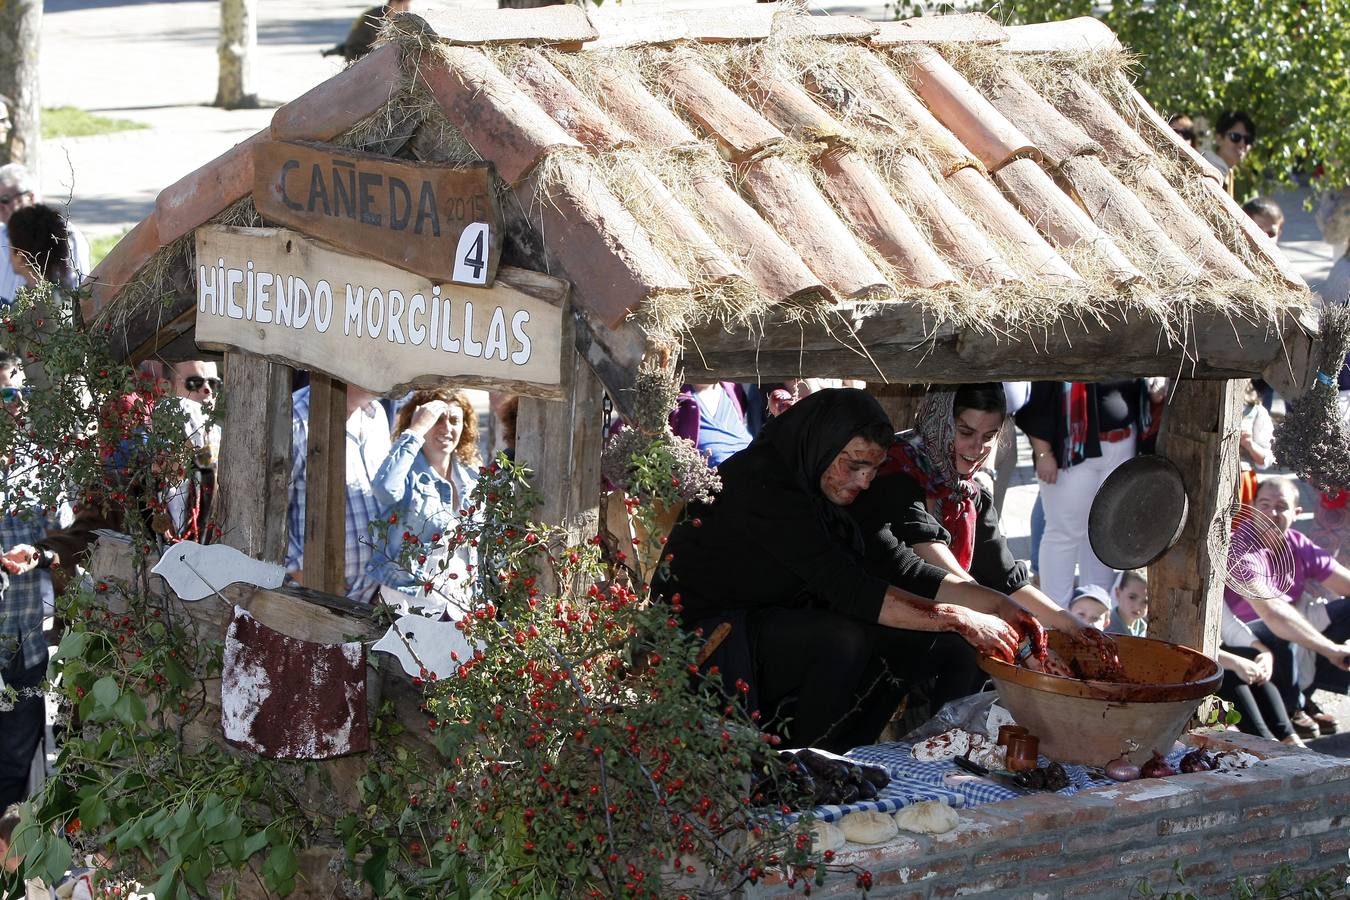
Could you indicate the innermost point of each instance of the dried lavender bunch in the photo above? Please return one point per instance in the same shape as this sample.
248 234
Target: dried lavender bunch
1313 439
647 460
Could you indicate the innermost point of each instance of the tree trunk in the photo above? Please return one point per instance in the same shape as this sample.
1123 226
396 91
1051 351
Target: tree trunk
238 46
20 30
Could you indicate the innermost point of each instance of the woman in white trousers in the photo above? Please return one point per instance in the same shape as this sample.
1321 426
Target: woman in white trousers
1080 433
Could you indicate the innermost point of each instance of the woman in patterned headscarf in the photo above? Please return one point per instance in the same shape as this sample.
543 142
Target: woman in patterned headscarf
926 497
777 556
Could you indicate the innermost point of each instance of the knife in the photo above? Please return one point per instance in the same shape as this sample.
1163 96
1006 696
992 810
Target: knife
1003 779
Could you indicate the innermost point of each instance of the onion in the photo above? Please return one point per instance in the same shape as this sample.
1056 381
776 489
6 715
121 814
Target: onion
1156 767
1121 769
1196 761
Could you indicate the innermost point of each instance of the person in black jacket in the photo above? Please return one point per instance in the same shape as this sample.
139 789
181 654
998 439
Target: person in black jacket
777 556
927 498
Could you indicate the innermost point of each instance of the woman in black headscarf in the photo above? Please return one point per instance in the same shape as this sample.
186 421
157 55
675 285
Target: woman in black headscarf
777 555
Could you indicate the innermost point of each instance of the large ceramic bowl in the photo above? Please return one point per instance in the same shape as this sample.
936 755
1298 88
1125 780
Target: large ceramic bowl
1093 722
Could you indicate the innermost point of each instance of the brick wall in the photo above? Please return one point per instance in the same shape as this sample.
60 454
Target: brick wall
1292 808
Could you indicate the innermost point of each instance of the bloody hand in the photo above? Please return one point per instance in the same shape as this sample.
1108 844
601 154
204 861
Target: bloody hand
989 635
1027 626
1104 649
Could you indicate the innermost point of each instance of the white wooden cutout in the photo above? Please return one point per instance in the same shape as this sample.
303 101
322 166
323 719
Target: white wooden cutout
195 571
432 641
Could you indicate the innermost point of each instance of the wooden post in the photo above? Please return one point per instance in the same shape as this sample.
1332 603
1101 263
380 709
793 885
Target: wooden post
255 457
561 443
901 402
1185 587
326 486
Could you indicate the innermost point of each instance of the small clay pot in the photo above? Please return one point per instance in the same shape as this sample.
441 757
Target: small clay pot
1007 731
1022 752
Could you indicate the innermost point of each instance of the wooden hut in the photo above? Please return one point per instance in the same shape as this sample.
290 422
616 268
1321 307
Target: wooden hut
753 192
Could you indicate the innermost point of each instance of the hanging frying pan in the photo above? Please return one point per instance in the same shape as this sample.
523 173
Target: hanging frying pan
1138 512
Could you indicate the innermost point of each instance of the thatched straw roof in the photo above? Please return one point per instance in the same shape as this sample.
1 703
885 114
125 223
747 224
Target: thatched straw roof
755 181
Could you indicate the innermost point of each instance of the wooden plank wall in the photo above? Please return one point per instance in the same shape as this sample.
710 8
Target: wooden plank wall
1185 587
326 486
561 443
255 457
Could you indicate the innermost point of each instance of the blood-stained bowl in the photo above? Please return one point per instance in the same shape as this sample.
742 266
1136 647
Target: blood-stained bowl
1093 722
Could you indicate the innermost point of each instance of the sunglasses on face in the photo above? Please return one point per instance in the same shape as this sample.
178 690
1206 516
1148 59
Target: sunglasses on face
1187 134
197 382
10 394
7 199
1238 137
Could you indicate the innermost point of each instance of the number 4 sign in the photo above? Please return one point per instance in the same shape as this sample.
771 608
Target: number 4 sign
471 266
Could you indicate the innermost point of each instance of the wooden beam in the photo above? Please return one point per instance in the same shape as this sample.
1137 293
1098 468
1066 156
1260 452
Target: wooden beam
561 443
1292 372
614 355
1185 587
899 342
326 486
255 457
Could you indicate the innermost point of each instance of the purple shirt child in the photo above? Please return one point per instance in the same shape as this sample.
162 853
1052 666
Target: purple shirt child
1311 563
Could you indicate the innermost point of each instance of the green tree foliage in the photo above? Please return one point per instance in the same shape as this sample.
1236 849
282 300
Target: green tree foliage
1285 62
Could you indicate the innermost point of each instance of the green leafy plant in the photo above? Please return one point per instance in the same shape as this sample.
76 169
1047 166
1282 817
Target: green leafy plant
575 752
577 757
1281 883
1216 712
135 783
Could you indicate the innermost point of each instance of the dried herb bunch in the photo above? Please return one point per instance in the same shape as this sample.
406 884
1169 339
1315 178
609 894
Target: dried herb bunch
1314 439
646 460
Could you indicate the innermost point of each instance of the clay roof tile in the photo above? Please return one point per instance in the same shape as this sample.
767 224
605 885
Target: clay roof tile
502 123
1085 34
740 131
558 24
334 106
593 240
1053 134
789 199
962 28
568 106
964 110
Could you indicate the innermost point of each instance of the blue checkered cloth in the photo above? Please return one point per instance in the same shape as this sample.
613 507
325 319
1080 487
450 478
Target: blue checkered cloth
898 760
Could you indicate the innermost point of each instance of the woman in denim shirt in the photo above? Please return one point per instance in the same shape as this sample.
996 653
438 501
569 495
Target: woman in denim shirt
425 483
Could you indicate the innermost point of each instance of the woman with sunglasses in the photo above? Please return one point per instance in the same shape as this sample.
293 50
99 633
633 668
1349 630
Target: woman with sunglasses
1233 137
422 489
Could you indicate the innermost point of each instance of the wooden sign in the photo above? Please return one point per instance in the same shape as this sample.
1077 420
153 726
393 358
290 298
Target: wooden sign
438 221
278 294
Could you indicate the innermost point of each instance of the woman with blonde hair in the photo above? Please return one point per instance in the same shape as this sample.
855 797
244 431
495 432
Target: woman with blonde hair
423 488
